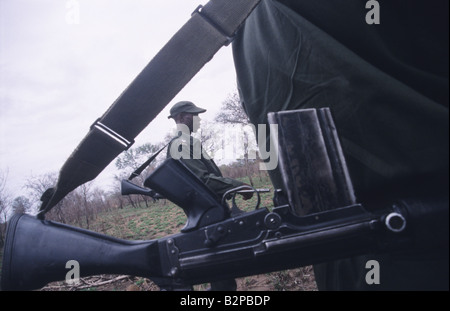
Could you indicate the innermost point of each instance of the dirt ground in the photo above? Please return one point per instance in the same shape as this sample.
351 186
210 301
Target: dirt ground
300 279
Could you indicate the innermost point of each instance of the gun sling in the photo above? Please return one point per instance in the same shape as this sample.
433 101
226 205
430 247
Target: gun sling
210 27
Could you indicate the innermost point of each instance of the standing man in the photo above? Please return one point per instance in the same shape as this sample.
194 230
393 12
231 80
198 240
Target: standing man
189 150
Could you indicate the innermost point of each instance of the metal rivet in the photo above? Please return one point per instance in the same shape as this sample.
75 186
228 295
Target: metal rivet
174 271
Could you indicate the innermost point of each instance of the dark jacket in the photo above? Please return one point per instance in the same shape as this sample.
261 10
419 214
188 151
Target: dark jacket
190 151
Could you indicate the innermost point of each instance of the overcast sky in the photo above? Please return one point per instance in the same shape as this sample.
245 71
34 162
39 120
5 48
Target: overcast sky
61 67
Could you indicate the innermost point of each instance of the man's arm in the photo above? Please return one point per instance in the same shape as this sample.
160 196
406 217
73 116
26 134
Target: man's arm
218 184
206 169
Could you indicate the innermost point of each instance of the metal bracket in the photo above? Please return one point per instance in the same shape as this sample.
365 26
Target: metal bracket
218 233
173 254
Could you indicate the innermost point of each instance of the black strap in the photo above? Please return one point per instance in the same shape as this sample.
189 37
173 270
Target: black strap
210 27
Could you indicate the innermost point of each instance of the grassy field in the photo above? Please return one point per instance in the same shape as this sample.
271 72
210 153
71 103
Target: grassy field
164 218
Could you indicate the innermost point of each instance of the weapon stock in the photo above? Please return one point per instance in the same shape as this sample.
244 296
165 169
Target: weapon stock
37 251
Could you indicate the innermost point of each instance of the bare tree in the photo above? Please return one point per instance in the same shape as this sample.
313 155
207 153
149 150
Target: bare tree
233 113
100 201
208 137
4 206
21 205
4 198
84 202
79 206
37 185
115 199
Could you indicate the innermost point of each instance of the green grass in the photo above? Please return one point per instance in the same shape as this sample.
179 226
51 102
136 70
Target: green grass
163 217
160 219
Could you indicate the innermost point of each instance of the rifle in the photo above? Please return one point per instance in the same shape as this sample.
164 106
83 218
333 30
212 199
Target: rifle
217 243
316 217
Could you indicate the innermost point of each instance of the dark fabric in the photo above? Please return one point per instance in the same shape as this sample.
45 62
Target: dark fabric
387 87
